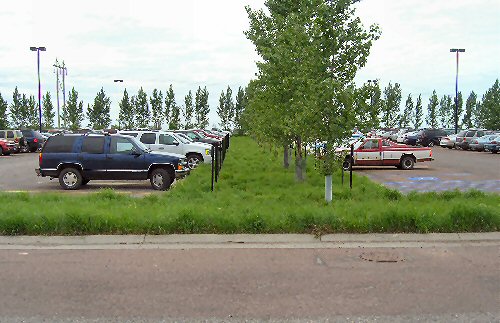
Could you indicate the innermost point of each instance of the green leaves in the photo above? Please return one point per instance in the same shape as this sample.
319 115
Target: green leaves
98 113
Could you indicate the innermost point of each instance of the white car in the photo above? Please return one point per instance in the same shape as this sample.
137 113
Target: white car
170 142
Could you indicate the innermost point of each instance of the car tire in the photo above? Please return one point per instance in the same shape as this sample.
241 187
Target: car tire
193 160
1 151
407 162
70 179
160 179
431 144
449 147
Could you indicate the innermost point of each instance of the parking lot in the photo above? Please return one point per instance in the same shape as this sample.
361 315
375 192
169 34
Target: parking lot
451 169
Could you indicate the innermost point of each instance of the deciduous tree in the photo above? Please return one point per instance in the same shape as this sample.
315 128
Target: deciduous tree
4 122
490 108
446 111
141 108
418 113
408 115
470 106
392 101
126 115
48 111
188 111
156 101
98 112
432 110
74 110
16 108
169 104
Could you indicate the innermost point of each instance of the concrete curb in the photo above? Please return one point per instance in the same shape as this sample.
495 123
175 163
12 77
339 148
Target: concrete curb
179 241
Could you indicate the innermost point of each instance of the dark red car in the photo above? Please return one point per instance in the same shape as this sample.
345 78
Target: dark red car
6 147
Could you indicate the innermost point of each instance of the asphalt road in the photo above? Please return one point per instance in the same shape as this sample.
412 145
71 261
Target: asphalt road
451 169
439 284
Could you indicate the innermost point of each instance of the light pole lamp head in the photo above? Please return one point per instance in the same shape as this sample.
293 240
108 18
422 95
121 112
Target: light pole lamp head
454 50
43 49
121 81
33 49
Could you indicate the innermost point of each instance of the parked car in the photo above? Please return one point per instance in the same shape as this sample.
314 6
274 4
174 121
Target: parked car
208 134
411 138
478 143
448 141
197 137
471 134
430 137
383 152
15 136
402 137
34 139
493 146
6 147
170 143
77 159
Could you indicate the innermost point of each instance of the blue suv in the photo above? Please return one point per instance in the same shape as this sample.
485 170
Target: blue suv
77 159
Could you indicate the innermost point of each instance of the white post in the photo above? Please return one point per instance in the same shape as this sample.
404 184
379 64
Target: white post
328 188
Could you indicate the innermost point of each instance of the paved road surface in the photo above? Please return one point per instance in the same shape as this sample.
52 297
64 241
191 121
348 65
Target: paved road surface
451 169
439 284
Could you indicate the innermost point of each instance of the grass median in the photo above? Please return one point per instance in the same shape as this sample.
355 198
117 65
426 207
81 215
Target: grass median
255 194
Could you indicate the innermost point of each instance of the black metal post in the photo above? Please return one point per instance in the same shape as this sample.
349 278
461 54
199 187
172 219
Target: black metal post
350 166
216 163
212 154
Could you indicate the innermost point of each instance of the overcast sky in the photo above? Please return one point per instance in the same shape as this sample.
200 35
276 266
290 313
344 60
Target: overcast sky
193 43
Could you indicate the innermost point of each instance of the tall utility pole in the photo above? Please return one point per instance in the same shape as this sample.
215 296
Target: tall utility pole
37 50
456 50
64 71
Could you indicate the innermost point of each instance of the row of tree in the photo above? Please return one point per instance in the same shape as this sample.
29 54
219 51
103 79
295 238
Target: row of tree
374 110
305 91
136 111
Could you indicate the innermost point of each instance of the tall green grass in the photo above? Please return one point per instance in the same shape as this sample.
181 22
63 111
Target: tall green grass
254 194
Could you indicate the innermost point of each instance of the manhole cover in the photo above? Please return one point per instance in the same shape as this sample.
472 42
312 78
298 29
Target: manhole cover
381 256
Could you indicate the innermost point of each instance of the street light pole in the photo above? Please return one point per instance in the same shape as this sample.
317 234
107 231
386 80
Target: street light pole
38 49
456 50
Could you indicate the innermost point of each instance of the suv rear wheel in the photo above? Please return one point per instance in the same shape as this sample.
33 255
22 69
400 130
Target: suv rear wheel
70 179
160 179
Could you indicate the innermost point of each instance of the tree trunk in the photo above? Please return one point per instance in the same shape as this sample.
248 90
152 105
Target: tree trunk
328 188
300 163
286 162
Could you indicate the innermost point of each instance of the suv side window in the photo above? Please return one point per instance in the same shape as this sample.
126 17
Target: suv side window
166 140
60 144
121 145
2 134
480 134
148 138
93 145
10 134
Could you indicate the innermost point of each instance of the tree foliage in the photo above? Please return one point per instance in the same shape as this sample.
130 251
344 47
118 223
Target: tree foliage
225 110
432 110
445 111
169 104
4 122
16 109
74 111
311 51
48 111
201 108
418 113
239 108
408 115
188 111
156 101
141 108
490 108
126 115
470 106
392 101
98 112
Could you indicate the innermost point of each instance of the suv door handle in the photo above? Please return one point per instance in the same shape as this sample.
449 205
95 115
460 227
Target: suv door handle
161 148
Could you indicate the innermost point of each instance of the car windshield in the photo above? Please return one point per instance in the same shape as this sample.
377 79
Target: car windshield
179 138
181 135
139 144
